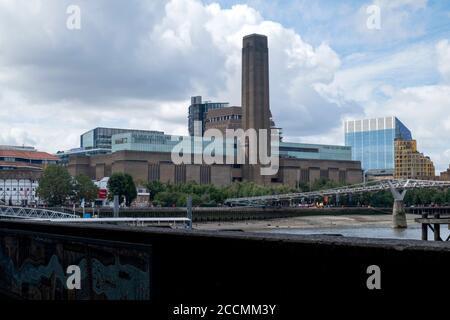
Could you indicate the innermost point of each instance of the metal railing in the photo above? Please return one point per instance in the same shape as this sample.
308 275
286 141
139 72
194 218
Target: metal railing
33 213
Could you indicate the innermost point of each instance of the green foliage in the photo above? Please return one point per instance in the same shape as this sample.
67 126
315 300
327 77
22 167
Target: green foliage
55 186
427 197
154 188
206 195
122 185
84 188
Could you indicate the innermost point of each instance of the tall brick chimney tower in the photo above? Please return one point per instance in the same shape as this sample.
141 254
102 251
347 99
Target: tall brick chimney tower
255 93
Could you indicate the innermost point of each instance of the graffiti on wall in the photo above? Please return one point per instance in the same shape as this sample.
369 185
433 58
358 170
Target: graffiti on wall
34 267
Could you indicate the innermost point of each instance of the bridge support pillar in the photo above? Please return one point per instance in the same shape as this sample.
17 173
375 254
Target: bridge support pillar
398 212
399 215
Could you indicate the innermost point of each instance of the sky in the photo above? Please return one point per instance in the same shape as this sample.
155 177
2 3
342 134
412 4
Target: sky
136 63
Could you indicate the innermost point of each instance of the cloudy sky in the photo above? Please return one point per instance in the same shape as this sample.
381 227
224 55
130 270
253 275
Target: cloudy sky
135 64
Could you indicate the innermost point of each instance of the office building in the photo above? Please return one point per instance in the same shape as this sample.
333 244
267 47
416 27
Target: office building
373 142
197 114
410 163
387 150
445 175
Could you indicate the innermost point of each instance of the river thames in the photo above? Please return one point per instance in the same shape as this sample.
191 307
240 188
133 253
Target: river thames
413 232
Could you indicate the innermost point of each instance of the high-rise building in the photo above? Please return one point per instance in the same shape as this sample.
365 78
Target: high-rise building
386 148
197 114
410 163
373 142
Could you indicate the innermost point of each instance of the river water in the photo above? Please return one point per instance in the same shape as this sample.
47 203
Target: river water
412 232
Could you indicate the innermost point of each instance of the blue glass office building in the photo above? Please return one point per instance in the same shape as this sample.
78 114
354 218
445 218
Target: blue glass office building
372 141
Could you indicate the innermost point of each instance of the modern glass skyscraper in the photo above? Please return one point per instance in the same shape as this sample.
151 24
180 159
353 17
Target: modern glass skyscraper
373 141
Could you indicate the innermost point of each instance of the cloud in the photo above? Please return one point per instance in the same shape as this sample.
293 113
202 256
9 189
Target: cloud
136 64
424 110
398 21
410 84
443 59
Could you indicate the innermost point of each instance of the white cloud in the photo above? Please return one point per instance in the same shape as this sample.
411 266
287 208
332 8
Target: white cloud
443 59
393 85
398 21
135 65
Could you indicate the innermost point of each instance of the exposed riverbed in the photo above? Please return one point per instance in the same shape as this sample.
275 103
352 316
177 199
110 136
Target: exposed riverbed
366 226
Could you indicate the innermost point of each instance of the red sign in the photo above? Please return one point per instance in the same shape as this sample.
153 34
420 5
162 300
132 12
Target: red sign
102 193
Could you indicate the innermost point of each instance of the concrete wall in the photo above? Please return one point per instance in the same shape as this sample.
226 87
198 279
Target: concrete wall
167 172
180 266
220 175
193 173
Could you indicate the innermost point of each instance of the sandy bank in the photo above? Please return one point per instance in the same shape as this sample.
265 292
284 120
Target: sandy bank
304 222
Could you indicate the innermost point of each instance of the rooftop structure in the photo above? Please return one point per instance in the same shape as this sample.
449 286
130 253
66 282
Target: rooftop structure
224 118
197 114
100 138
20 158
315 151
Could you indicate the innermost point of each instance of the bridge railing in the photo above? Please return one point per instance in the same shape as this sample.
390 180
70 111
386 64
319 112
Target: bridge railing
33 213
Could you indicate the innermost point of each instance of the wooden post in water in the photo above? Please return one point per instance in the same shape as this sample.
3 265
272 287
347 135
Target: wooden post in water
424 227
437 227
189 211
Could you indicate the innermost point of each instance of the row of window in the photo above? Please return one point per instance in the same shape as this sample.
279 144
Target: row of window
225 118
20 189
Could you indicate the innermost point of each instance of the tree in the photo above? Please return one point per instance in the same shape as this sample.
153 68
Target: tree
131 192
55 185
154 188
122 185
84 188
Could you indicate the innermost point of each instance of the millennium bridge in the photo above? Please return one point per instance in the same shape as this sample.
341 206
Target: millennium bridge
398 188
